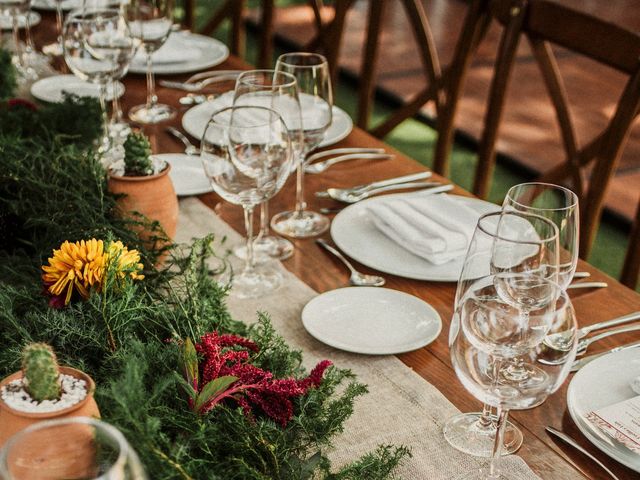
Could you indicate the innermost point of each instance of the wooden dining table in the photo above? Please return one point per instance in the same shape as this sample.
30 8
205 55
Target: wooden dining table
321 272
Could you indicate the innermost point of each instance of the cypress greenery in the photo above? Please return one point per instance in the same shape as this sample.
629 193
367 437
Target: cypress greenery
52 188
8 82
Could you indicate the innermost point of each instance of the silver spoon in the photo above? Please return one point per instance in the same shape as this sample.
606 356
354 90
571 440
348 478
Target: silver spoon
434 187
357 278
189 148
320 167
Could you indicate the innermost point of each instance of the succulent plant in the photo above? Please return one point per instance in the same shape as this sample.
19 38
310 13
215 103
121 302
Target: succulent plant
137 151
41 374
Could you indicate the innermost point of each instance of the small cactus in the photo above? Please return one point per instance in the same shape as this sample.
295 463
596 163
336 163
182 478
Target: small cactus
137 151
41 375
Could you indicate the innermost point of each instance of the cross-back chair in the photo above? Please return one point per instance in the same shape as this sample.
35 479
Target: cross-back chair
631 268
545 23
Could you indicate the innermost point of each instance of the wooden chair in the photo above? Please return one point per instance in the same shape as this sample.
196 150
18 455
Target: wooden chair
631 269
543 23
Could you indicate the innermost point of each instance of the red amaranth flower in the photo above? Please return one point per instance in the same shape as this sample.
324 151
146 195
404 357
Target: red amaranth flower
229 356
21 102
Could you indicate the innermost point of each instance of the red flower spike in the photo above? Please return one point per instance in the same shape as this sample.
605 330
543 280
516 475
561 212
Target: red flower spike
229 355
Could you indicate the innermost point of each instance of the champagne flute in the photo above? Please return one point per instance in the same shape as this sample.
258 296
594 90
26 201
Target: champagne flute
279 91
487 335
316 100
534 250
98 47
76 447
150 22
246 154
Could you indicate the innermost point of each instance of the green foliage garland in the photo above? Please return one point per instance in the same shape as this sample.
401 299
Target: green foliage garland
7 75
53 189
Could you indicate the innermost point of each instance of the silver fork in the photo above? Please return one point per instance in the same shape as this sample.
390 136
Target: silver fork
189 148
197 86
320 167
381 183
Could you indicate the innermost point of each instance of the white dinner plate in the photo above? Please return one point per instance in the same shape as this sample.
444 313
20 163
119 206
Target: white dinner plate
187 174
355 234
195 120
51 89
203 52
50 5
6 22
601 383
371 320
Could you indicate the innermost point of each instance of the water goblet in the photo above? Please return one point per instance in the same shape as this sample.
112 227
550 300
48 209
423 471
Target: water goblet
246 154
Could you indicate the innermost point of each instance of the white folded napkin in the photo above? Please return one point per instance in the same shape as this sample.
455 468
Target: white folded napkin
437 228
177 49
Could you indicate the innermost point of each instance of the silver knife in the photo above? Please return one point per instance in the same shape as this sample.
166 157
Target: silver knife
570 441
578 364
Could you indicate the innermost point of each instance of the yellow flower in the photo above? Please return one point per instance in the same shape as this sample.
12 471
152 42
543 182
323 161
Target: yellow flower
128 260
80 266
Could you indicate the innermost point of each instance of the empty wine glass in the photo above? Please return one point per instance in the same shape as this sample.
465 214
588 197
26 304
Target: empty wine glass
316 100
150 22
55 49
246 154
528 243
487 334
16 9
279 91
71 448
98 47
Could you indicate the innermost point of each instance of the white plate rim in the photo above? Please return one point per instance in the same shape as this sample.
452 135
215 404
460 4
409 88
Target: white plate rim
189 66
188 123
582 425
354 349
401 271
34 19
167 157
56 78
51 7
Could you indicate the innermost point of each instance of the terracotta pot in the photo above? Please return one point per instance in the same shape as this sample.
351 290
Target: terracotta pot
12 420
153 196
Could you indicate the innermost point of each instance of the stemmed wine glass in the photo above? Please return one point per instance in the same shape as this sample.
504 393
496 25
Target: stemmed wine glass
16 9
98 47
487 335
55 48
316 100
150 22
278 91
509 242
76 447
246 153
559 205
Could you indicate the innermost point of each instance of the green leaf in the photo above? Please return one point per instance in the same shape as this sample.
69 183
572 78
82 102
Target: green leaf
190 363
212 389
310 465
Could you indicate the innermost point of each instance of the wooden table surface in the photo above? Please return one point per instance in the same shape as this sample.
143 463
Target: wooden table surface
322 272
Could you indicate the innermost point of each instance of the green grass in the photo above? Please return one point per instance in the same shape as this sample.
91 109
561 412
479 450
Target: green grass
417 140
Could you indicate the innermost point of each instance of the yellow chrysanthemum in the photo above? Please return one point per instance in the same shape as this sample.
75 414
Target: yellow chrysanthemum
80 266
128 260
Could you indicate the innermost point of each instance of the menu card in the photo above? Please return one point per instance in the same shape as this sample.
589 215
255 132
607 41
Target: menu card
620 421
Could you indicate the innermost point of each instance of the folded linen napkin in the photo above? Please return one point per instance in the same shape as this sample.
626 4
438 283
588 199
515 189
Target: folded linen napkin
437 228
177 49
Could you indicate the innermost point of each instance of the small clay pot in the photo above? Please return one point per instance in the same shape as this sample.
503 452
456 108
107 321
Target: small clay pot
152 195
13 421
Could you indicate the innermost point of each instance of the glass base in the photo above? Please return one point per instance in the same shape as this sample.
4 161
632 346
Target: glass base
484 474
148 116
300 224
53 49
119 131
258 283
465 433
266 248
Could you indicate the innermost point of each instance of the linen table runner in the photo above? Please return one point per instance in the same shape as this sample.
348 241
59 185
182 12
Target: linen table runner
401 407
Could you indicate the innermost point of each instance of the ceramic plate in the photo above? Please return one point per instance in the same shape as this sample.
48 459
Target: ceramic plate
50 5
187 174
51 89
603 382
371 320
6 23
355 234
203 52
195 120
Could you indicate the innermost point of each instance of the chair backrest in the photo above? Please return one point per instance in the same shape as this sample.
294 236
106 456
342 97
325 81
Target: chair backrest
631 269
544 23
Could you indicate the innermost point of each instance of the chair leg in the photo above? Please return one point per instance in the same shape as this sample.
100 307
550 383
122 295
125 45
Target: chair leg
369 61
265 55
631 268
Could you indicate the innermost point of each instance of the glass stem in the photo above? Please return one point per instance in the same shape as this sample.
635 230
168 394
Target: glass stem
29 47
485 421
264 219
59 21
152 98
248 225
105 116
16 39
116 111
494 466
300 203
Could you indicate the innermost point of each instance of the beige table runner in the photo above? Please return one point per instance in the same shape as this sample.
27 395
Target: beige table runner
401 407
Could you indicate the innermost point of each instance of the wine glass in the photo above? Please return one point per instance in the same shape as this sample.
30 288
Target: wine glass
246 154
98 47
76 447
55 49
150 22
558 204
316 100
487 335
16 9
279 91
530 246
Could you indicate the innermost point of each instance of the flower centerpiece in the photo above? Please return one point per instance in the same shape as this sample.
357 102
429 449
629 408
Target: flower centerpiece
42 390
145 185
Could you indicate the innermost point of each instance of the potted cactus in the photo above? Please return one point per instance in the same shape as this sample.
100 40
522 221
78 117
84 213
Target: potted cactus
43 390
145 184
